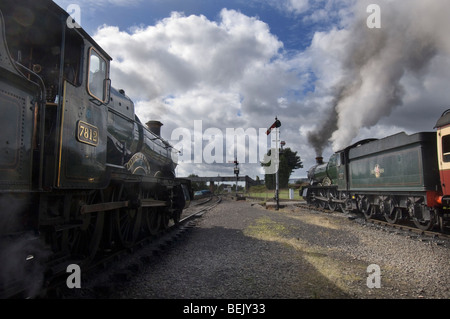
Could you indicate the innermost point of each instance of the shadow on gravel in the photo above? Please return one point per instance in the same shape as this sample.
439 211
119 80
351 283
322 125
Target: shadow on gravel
222 263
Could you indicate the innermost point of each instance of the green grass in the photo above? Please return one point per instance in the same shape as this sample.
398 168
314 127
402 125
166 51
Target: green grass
269 194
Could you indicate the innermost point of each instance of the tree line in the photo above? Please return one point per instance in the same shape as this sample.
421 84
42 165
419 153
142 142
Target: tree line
289 161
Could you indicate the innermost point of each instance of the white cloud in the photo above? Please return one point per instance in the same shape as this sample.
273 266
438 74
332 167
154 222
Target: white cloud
297 6
234 73
229 74
183 53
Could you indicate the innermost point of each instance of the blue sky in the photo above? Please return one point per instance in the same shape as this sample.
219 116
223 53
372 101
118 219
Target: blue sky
293 27
315 64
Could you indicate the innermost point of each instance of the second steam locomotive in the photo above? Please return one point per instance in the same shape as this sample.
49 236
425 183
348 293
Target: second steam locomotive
80 175
400 177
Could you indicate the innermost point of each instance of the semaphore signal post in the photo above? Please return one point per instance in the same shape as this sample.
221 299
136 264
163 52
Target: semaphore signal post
276 125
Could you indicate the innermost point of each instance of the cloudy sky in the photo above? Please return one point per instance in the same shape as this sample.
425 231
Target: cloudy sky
205 67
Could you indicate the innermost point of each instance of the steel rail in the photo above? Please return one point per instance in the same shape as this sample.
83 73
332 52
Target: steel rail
400 227
58 279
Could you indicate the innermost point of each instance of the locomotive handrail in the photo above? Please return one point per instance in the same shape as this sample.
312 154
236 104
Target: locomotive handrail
41 83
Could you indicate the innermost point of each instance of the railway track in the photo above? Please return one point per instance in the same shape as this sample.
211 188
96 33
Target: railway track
104 274
401 229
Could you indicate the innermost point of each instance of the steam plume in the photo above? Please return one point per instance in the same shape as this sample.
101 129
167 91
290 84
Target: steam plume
375 62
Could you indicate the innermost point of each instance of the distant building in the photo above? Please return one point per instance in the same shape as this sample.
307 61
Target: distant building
294 180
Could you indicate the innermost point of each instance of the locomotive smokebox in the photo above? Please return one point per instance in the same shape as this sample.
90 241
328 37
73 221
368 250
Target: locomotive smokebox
319 160
154 127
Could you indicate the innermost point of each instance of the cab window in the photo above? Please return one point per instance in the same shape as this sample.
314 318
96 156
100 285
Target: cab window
97 76
73 58
446 148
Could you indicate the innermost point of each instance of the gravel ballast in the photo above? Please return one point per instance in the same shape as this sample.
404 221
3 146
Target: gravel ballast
240 250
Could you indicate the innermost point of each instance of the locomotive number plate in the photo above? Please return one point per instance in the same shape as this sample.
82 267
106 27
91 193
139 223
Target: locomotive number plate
87 133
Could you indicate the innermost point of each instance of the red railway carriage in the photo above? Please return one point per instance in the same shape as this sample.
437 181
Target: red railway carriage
443 149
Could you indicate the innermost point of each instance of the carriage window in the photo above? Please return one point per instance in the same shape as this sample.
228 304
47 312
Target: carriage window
446 148
97 76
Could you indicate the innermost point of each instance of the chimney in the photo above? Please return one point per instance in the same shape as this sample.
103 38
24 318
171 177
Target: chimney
319 160
155 127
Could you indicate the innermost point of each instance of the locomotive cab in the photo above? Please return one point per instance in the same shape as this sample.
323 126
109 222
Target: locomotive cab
72 71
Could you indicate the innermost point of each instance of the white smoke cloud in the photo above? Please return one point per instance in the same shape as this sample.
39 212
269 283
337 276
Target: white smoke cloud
375 67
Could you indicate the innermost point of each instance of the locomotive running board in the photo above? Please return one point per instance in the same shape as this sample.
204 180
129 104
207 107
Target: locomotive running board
103 207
